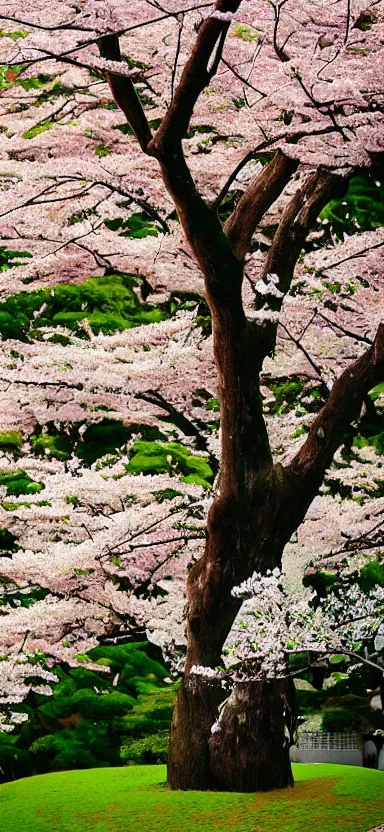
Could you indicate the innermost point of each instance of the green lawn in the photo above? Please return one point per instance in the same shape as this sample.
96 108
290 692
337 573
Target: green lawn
326 798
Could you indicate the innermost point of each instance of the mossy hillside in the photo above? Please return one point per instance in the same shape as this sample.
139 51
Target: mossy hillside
109 304
11 442
325 798
19 482
98 439
171 458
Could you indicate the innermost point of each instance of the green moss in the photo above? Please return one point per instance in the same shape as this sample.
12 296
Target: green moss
170 458
41 127
73 501
58 446
109 303
102 150
11 441
166 494
213 404
245 33
10 259
137 225
19 482
286 394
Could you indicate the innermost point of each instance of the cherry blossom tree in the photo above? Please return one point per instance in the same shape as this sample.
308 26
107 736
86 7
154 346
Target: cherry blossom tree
306 90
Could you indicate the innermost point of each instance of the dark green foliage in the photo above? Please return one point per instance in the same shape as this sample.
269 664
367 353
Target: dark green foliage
372 574
370 429
11 442
350 713
100 438
60 445
360 209
95 718
13 506
137 225
127 130
375 440
213 404
72 500
109 303
365 20
309 702
20 596
14 761
104 437
7 541
286 395
19 482
22 33
322 582
102 150
376 392
10 75
170 458
41 127
9 259
367 577
150 750
166 494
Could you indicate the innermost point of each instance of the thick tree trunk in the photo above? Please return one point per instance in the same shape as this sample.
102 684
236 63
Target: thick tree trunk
249 746
194 713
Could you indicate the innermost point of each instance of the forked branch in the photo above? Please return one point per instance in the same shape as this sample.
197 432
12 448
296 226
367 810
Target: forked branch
296 222
257 199
308 467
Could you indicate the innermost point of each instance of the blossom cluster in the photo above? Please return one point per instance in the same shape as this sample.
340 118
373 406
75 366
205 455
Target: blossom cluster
272 626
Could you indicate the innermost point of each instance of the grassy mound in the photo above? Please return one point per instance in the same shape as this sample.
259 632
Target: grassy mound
325 798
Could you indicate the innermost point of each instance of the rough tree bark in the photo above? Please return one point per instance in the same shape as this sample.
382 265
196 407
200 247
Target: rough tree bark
260 504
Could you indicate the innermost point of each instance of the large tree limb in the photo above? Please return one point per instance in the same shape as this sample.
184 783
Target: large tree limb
258 198
307 469
295 224
197 73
